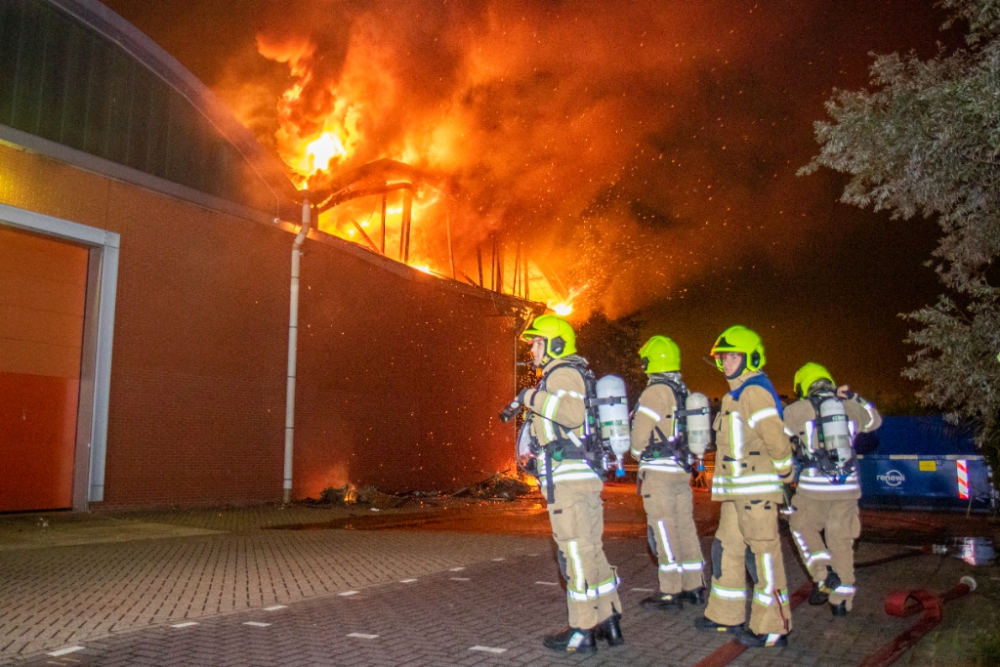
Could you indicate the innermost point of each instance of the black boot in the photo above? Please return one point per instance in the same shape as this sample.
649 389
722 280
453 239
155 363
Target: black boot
708 625
751 639
696 596
610 630
821 591
571 640
818 597
839 609
664 602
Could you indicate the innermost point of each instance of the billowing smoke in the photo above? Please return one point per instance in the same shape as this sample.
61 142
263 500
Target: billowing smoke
637 149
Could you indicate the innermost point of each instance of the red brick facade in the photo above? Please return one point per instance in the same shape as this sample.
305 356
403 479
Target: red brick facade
400 374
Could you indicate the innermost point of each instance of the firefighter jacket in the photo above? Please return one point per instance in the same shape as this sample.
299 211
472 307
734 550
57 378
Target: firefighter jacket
800 421
754 455
558 416
654 429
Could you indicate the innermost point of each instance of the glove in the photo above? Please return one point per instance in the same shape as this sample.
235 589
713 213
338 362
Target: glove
845 392
510 411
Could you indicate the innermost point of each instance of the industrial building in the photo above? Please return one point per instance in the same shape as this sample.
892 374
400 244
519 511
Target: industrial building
146 261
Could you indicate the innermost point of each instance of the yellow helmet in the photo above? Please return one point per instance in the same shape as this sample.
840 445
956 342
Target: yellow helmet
740 339
560 339
660 355
809 374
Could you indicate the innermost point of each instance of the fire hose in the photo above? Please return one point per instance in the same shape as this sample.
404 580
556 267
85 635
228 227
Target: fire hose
898 603
907 603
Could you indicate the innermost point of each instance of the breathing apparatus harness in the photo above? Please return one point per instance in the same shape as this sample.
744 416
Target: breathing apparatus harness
589 447
834 455
675 445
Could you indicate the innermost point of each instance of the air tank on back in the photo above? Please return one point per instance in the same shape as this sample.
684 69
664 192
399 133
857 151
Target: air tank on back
833 422
612 410
699 423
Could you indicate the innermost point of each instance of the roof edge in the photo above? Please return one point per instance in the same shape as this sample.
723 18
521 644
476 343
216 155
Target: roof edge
115 28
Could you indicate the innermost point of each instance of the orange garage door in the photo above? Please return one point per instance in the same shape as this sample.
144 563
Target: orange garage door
42 294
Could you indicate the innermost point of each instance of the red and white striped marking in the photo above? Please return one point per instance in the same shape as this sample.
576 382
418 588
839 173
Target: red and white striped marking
963 478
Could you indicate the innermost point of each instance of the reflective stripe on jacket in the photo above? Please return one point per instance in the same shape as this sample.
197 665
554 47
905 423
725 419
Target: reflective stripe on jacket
654 420
560 404
754 455
800 421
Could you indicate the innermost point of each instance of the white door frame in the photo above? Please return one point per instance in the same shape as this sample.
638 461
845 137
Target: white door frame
98 336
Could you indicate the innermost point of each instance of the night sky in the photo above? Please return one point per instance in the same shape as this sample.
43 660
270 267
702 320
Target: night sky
645 150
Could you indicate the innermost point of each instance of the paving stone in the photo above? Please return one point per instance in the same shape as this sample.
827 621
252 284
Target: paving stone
120 599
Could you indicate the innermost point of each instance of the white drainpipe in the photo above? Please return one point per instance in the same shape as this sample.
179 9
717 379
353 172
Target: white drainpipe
293 337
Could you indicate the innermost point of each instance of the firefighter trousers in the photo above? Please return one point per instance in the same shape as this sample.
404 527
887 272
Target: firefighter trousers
673 537
577 518
841 525
747 540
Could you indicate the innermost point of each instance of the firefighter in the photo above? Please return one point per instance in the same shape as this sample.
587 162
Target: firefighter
665 478
753 458
557 412
826 498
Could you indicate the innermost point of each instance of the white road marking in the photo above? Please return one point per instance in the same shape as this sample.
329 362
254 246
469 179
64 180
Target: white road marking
500 559
276 607
547 583
257 624
644 590
461 579
186 624
361 635
488 649
456 569
66 651
347 593
407 581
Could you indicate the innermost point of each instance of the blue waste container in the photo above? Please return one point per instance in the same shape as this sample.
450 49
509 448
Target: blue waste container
923 463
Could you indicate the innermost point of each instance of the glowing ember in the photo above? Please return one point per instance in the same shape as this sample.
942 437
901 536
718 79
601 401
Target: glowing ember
421 267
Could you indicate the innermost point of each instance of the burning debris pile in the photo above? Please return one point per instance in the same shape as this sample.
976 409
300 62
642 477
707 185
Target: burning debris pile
347 495
497 487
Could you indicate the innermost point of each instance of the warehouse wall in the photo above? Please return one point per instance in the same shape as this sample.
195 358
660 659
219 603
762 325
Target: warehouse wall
400 374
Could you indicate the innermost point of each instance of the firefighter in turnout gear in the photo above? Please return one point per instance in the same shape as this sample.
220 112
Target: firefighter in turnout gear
753 459
826 498
557 414
665 478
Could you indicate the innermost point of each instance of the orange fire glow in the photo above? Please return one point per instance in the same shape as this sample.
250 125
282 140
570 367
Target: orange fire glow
562 309
324 149
530 142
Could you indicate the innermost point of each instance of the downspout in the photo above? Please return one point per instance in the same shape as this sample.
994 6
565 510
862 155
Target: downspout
293 337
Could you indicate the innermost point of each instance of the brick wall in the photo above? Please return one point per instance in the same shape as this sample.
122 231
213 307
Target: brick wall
400 374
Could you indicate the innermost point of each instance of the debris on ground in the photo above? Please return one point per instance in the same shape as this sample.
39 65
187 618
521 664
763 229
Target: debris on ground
332 495
376 500
497 486
344 496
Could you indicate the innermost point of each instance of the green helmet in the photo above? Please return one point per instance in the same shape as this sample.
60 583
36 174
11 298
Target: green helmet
560 339
740 339
809 374
660 355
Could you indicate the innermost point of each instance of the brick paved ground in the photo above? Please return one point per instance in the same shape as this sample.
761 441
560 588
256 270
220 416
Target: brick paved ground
121 601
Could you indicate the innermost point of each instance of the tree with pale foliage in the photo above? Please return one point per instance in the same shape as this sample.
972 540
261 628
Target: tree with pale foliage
926 141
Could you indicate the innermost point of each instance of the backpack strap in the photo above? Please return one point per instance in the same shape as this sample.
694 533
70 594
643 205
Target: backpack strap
760 381
568 440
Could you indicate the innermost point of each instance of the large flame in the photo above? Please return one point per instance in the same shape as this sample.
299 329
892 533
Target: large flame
321 151
564 160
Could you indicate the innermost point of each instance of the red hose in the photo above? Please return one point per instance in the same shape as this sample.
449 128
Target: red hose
907 603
